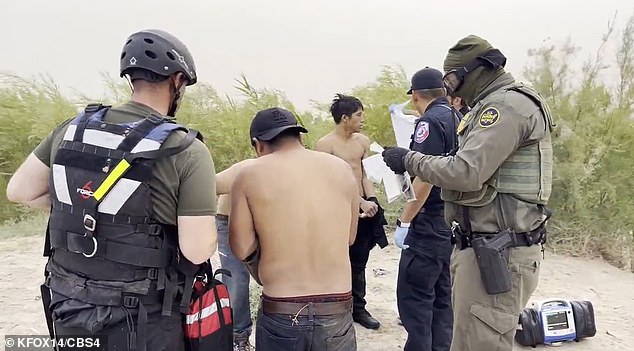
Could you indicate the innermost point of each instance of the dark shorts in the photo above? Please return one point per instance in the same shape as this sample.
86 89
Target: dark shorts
302 327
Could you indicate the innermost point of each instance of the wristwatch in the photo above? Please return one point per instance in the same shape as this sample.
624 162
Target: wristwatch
401 224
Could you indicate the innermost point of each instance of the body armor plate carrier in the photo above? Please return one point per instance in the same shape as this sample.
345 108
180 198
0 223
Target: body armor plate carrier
108 256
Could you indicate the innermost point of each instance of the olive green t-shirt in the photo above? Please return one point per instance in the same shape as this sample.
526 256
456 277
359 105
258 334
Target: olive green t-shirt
181 185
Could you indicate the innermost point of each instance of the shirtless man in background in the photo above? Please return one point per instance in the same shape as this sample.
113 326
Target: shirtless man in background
347 143
294 213
238 283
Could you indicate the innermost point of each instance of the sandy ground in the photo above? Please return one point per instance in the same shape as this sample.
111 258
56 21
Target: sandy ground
610 289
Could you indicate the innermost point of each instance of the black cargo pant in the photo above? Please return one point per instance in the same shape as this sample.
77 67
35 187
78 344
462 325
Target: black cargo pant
359 254
163 333
424 286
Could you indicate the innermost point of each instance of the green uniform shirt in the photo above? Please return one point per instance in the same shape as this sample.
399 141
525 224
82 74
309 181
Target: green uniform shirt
496 126
182 185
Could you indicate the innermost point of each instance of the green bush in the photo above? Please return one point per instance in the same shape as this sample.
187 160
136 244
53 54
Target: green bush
593 190
29 109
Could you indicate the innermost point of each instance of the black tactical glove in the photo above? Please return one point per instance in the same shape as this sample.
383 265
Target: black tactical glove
394 158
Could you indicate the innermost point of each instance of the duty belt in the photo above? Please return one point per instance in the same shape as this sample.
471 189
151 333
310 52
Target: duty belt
463 236
533 237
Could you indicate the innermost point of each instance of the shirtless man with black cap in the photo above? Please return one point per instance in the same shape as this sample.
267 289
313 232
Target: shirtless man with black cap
294 212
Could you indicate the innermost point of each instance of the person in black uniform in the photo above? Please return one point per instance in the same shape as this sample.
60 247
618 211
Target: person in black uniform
458 104
424 286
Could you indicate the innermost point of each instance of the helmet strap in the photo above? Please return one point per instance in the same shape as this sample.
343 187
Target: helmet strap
175 101
127 79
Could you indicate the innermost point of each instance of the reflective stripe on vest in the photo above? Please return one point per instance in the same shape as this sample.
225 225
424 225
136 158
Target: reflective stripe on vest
115 190
61 185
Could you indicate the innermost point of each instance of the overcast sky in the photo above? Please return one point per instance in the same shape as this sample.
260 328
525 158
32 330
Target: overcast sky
308 49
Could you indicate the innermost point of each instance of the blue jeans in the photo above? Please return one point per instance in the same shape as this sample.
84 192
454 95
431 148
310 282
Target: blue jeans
278 332
238 283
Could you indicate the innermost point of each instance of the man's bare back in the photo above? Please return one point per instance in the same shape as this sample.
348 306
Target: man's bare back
304 207
224 180
353 150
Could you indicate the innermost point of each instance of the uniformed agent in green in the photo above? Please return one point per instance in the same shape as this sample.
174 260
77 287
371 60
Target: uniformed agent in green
499 179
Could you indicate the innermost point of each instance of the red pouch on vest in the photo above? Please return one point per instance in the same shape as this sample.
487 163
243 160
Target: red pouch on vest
209 322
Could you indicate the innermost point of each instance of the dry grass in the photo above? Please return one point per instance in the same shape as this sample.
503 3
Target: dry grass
577 239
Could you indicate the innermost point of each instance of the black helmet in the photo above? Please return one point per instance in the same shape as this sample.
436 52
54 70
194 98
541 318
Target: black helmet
158 52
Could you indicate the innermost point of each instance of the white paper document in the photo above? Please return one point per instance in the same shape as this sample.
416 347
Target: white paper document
402 124
396 185
392 187
374 168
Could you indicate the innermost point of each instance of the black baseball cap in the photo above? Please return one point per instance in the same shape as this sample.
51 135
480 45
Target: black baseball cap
269 123
426 78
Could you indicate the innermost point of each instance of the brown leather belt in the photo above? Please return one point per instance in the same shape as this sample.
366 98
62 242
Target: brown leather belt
305 308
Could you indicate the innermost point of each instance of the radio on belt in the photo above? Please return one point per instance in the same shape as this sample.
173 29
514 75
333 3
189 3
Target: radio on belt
557 320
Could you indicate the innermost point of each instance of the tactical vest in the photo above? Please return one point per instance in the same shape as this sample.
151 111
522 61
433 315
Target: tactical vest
526 174
104 245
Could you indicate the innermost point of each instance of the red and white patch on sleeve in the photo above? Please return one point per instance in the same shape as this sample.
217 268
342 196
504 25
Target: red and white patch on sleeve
422 132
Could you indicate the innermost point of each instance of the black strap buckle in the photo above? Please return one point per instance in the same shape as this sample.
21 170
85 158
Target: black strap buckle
153 273
130 301
92 108
89 223
155 229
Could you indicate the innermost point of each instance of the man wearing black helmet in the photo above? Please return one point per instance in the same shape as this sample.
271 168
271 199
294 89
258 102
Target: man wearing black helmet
495 190
132 208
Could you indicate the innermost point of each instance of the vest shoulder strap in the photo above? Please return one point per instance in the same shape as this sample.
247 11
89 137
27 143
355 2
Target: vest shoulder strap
81 121
536 98
124 165
192 135
94 107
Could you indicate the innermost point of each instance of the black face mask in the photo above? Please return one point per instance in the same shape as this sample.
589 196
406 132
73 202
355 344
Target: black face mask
492 60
